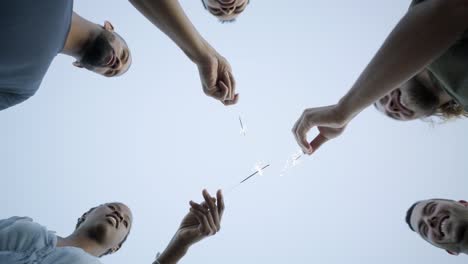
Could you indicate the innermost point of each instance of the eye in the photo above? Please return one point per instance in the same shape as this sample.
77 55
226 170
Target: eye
433 207
125 223
111 207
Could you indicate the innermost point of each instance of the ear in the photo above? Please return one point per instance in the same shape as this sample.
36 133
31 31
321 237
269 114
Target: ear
108 26
77 64
452 253
463 202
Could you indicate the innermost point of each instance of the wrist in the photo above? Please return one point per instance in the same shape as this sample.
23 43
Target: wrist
346 110
173 252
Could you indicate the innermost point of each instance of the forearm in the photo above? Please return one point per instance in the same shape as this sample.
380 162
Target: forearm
423 34
170 18
173 253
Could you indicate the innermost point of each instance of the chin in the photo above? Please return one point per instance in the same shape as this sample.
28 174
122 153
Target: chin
101 233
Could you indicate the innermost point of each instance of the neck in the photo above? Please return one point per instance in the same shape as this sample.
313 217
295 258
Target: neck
81 32
80 241
427 80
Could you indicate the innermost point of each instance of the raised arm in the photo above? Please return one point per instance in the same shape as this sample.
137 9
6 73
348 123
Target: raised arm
424 33
202 221
215 72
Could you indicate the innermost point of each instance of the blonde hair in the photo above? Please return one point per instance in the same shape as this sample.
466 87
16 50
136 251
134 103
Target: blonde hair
450 111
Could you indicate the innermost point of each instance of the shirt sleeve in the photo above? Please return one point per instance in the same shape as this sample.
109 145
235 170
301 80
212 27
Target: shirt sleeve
21 234
9 99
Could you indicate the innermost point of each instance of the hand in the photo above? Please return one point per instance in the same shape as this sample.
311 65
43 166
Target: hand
329 121
217 80
202 221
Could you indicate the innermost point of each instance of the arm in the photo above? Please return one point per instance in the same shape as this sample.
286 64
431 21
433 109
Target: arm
423 34
202 221
215 71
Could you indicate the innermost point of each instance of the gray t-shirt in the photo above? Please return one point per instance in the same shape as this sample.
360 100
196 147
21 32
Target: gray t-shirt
451 68
33 33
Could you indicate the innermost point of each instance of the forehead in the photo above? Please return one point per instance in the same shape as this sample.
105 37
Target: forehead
119 206
417 214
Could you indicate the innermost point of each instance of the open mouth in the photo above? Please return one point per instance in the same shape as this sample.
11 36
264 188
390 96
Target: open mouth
405 111
112 60
113 220
443 225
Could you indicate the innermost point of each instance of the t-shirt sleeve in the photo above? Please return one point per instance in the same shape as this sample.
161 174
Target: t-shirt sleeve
10 99
415 2
21 234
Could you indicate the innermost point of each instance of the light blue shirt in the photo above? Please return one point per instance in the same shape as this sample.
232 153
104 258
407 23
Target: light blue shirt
32 33
23 241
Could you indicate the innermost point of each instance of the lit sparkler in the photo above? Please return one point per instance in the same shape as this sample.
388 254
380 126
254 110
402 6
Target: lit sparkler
259 170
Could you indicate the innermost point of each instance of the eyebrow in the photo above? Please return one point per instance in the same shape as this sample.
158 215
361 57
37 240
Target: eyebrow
426 208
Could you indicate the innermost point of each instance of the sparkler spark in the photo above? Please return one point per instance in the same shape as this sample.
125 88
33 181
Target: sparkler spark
243 129
292 162
259 170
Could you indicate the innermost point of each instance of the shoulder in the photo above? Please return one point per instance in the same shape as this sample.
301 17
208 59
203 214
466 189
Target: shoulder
22 234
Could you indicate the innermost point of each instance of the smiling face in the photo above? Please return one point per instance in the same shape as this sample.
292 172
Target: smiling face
413 100
108 225
225 10
107 54
443 223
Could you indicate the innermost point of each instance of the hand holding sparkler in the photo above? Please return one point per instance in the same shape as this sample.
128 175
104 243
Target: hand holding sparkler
203 220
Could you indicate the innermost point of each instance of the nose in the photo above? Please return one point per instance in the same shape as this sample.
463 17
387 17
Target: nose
433 222
228 10
119 215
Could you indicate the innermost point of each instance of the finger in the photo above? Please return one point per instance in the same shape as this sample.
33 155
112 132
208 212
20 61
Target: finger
227 81
232 102
204 227
233 82
225 90
220 198
213 210
317 142
300 132
196 206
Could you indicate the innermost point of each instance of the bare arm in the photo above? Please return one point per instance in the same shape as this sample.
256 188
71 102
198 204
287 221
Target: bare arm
425 32
170 18
422 35
215 72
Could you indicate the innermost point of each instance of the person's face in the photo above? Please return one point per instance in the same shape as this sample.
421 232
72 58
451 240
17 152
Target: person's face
411 101
225 10
107 224
442 223
107 54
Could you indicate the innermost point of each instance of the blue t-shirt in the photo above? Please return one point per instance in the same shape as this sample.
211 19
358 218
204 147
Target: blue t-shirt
24 242
32 32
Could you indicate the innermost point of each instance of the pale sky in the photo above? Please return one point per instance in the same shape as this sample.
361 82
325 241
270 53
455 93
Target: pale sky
153 140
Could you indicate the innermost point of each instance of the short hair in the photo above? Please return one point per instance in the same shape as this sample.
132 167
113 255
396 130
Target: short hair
409 213
83 218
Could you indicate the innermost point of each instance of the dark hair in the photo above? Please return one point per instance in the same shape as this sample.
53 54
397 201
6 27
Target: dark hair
408 215
83 218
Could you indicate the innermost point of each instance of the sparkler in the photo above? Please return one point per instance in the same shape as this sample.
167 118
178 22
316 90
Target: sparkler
292 162
243 129
259 171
